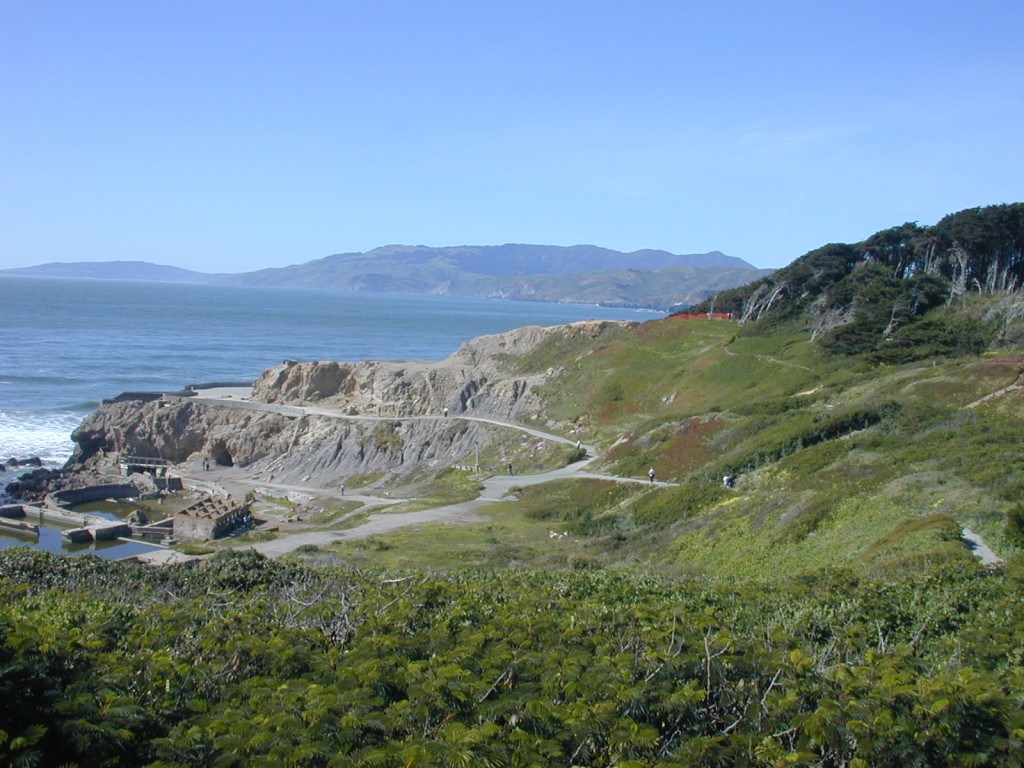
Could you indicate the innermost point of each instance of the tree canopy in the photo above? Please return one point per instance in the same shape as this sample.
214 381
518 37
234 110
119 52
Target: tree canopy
864 298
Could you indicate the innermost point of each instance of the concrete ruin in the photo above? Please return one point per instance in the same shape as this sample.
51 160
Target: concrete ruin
210 518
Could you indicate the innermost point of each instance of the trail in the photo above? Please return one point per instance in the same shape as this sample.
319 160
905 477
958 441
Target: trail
729 353
1014 387
979 548
495 488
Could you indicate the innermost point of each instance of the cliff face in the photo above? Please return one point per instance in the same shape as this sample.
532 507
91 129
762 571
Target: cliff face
477 379
316 449
175 430
321 422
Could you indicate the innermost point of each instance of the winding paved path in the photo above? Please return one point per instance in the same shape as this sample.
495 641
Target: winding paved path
979 548
495 488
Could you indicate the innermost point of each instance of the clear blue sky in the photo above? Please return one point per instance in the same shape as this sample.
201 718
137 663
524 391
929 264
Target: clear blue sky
230 136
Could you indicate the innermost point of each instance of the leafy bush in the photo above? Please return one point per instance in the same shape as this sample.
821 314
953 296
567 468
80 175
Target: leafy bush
580 667
662 507
581 505
768 440
937 336
1015 525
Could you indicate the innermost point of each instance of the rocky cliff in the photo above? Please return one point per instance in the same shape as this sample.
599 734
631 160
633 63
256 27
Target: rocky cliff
320 422
478 377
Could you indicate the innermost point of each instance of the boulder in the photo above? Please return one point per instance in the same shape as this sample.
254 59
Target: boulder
33 485
32 461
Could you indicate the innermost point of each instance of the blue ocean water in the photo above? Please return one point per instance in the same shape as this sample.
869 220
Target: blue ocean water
67 344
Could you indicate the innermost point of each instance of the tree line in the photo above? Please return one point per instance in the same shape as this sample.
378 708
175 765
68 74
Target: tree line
902 293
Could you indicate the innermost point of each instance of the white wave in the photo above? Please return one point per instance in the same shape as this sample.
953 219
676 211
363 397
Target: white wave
24 434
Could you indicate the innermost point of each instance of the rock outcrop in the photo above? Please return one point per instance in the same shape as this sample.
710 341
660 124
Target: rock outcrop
176 429
356 418
475 378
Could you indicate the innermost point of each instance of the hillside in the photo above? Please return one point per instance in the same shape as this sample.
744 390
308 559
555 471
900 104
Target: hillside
580 273
575 274
112 270
878 297
509 260
849 455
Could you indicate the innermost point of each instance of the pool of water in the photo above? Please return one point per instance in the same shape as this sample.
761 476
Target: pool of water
50 540
107 509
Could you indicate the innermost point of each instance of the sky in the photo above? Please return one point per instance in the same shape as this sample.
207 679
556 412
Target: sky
228 136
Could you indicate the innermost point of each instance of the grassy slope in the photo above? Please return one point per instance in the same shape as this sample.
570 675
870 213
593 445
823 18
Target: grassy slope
837 464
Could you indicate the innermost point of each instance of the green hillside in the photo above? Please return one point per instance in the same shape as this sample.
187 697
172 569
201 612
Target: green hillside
835 462
867 445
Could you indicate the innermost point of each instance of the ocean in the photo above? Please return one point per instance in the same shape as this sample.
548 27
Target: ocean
67 344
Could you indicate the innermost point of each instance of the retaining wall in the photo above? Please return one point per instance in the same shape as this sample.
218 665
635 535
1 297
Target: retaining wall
92 493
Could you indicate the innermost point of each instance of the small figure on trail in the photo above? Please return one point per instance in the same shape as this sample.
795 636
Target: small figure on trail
728 481
578 444
446 411
342 489
650 474
510 468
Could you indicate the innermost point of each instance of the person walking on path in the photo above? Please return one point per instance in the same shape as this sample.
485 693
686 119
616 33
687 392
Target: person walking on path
650 474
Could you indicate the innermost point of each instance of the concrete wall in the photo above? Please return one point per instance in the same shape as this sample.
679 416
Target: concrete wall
92 493
246 405
12 511
190 526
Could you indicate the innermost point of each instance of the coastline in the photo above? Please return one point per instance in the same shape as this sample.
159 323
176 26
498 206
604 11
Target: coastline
59 365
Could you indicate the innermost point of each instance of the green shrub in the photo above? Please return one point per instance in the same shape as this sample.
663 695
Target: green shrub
934 337
664 506
1015 525
580 504
767 440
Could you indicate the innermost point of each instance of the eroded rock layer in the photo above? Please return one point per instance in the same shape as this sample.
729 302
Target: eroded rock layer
319 422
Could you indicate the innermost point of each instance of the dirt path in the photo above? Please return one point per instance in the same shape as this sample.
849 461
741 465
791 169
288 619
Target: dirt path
235 396
495 488
1014 387
979 548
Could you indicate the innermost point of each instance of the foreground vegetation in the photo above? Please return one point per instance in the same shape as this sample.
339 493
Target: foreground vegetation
244 662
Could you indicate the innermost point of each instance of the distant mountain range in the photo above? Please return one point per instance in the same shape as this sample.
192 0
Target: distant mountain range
579 273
